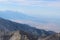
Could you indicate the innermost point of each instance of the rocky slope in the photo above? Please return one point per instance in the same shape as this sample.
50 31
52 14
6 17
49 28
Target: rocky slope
16 31
16 35
21 35
8 25
53 37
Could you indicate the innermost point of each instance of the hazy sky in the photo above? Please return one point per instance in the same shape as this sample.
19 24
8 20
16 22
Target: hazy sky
37 8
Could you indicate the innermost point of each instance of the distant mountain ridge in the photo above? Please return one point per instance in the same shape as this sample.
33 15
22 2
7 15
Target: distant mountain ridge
19 16
15 15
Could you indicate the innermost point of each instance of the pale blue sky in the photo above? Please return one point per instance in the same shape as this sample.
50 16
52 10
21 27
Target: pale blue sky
37 8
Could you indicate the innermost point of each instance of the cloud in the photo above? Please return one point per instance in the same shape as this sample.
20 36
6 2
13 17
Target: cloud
3 1
54 4
41 3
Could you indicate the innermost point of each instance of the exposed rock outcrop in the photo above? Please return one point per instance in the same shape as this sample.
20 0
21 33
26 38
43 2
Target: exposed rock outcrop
52 37
16 35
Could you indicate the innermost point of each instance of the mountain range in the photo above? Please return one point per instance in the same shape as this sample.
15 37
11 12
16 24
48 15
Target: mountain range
7 27
15 15
20 16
